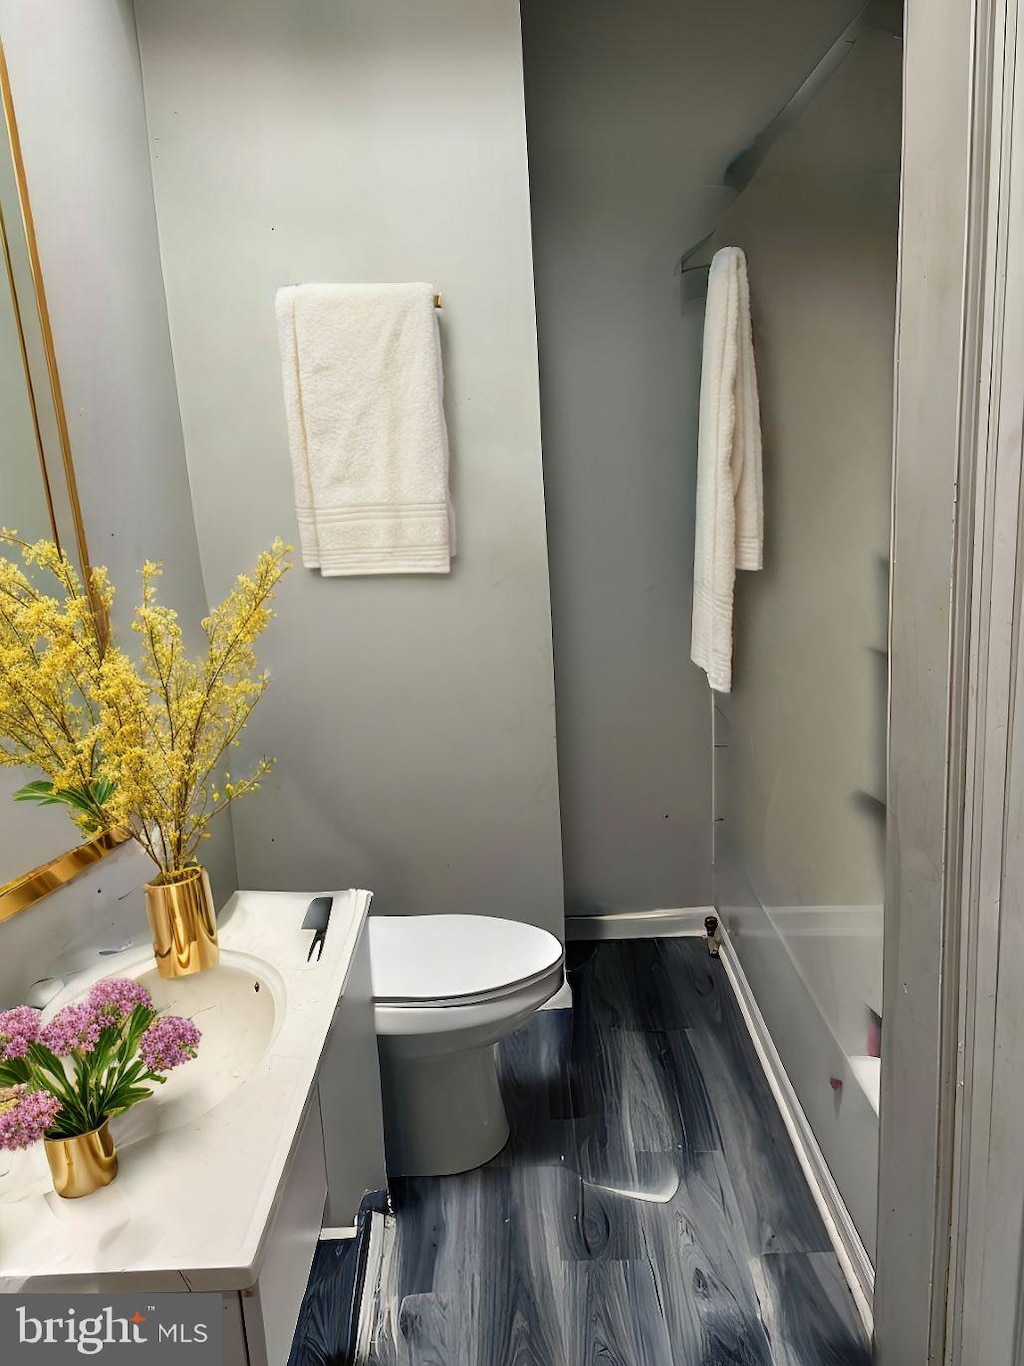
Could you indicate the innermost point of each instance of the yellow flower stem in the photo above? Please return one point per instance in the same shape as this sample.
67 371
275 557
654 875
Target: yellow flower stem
35 728
152 730
218 671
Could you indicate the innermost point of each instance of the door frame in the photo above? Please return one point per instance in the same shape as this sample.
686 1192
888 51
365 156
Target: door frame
983 1319
955 610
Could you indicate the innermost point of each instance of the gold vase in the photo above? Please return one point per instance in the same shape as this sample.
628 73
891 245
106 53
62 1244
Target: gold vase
82 1164
183 922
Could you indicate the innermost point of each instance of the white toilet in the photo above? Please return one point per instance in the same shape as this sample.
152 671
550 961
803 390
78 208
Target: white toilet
446 988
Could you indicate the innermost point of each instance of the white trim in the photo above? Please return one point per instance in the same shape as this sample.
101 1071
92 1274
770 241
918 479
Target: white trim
334 1235
983 1308
942 393
852 1254
379 1247
638 924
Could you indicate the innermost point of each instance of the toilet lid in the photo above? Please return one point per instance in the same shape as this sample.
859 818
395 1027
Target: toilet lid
439 958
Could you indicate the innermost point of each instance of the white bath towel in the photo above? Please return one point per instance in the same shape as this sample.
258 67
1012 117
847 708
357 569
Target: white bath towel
363 389
730 502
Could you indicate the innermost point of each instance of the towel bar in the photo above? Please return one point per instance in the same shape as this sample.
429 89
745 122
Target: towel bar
437 297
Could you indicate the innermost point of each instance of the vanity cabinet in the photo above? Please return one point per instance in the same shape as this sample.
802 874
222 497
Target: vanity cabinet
229 1197
338 1157
350 1097
270 1308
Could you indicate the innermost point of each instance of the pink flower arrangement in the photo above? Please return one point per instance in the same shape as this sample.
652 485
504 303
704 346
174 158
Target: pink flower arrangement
25 1116
94 1059
74 1029
18 1028
168 1043
116 997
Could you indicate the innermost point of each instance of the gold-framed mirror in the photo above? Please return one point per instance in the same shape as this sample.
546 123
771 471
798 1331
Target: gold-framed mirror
38 498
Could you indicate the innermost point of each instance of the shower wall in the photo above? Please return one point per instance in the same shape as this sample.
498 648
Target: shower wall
800 742
633 112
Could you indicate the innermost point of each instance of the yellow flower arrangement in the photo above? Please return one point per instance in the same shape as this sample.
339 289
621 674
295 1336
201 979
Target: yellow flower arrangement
51 654
131 743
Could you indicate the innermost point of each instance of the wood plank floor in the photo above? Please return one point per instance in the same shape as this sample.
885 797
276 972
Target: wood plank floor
648 1210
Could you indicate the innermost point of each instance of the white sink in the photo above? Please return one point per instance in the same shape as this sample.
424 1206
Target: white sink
202 1163
237 1005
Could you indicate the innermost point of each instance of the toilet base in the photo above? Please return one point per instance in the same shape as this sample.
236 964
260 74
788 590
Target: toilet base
442 1114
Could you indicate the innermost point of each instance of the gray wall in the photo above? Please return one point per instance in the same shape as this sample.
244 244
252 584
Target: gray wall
77 86
800 742
633 113
413 718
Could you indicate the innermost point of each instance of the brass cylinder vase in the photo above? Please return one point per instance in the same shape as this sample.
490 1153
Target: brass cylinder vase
184 926
82 1164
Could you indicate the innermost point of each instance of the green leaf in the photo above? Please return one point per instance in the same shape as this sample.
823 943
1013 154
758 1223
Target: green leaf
42 792
83 1079
41 1057
67 1125
126 1097
14 1072
99 1057
138 1022
88 800
49 1075
73 1117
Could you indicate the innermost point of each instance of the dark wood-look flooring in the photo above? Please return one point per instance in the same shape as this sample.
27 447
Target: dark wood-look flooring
649 1209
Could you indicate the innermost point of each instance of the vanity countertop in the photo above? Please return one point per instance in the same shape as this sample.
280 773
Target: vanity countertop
195 1193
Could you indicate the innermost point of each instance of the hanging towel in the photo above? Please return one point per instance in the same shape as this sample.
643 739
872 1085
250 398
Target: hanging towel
730 500
363 398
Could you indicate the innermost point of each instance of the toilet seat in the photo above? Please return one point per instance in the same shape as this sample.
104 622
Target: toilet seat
446 989
438 961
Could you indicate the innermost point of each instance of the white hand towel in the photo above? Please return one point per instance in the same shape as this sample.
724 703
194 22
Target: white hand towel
363 393
730 500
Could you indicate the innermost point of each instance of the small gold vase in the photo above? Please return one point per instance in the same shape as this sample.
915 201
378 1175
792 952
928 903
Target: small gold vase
82 1164
183 922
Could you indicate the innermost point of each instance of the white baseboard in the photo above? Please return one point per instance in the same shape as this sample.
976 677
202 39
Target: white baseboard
638 924
852 1254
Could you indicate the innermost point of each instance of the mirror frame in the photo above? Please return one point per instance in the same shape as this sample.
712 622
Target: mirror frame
28 888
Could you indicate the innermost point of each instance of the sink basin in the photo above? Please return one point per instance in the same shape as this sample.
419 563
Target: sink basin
237 1005
203 1163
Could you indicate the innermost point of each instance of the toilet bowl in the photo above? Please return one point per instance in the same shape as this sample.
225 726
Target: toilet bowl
446 989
